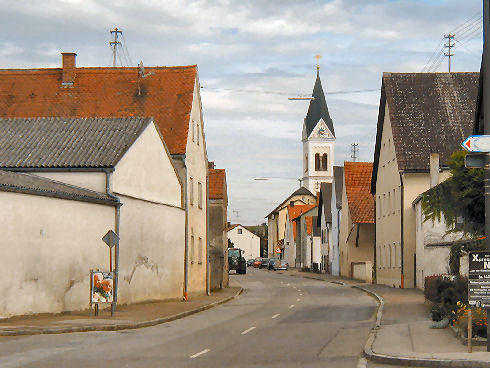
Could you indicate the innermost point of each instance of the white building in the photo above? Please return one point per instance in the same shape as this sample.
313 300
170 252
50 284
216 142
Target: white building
245 240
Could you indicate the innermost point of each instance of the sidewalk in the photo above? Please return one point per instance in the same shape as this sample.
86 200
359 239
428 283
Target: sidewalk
126 317
403 335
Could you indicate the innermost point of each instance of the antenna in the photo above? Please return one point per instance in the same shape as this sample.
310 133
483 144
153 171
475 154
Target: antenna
236 212
114 44
449 45
354 148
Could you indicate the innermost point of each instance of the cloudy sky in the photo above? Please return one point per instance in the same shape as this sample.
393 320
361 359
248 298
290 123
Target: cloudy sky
252 55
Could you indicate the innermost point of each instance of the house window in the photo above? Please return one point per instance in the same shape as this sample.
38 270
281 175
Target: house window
317 162
192 127
197 137
199 256
191 191
394 201
199 195
239 231
192 248
389 203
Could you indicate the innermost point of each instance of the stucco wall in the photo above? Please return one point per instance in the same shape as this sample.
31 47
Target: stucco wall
218 244
197 166
48 247
146 171
151 251
85 179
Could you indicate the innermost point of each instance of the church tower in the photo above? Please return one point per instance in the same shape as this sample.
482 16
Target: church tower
318 141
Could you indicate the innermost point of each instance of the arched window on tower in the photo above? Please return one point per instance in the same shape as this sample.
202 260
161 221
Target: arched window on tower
317 162
325 162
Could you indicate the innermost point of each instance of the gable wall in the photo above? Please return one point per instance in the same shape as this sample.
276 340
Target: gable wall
84 179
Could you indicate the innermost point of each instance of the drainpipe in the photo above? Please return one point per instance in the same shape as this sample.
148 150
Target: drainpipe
208 269
186 248
375 268
117 220
402 209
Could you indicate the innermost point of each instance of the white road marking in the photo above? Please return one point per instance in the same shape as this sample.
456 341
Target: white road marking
298 299
200 353
300 294
294 287
291 306
248 330
288 284
299 289
276 315
362 363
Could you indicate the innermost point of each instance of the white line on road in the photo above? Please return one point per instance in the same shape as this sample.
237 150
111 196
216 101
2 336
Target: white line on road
248 330
291 306
294 287
300 294
200 353
298 299
276 315
299 289
288 284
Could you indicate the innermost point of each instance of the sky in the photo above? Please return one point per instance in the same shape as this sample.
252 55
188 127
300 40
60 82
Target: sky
251 56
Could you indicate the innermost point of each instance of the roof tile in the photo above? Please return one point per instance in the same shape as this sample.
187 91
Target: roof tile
357 177
217 183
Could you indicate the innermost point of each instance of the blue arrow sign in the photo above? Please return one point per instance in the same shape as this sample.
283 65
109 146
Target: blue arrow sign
477 143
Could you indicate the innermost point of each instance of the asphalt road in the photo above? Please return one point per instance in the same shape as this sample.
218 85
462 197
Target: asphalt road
279 321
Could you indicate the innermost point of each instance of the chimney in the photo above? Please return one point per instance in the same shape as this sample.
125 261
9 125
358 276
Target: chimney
434 169
211 165
291 203
68 69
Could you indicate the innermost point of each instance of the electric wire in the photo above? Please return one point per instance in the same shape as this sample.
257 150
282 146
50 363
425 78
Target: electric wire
245 90
125 47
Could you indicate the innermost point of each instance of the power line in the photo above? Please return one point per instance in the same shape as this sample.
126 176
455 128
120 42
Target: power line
244 90
114 44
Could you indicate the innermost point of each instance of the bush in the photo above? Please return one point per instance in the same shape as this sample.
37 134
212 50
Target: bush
437 313
445 293
479 319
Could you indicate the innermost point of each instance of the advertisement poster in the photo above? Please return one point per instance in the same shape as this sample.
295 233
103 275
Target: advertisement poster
102 285
479 279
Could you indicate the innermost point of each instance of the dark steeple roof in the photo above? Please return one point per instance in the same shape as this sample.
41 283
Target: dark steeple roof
318 109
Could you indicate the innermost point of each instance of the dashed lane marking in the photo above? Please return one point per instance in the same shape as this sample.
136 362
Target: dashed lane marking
276 315
298 299
291 306
300 294
248 330
362 363
200 353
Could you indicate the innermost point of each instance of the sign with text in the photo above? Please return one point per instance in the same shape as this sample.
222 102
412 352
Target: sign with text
477 143
479 279
101 287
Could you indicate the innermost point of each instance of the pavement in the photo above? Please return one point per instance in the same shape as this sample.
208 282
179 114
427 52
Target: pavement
402 334
126 316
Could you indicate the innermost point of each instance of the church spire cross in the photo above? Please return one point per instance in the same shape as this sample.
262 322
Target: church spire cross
318 57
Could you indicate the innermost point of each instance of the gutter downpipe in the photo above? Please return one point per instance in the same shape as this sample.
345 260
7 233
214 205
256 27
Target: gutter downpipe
117 222
402 209
375 268
186 248
208 260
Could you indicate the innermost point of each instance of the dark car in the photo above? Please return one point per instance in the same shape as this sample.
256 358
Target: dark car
272 262
264 262
281 265
250 262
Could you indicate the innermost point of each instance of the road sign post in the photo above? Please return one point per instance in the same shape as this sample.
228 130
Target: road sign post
111 239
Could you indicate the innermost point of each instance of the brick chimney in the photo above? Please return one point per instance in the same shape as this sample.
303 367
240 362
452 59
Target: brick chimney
211 165
69 69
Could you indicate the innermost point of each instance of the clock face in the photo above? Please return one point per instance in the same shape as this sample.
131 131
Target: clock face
322 132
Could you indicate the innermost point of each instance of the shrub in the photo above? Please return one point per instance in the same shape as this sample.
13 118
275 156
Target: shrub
445 293
430 287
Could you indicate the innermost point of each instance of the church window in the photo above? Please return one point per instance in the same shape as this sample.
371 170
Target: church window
325 162
306 163
317 162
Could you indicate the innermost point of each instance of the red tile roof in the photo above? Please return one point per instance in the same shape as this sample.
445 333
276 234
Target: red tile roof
166 94
358 189
299 209
309 225
232 226
217 183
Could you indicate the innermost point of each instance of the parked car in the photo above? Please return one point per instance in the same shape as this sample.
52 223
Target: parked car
281 265
272 262
264 262
250 262
257 262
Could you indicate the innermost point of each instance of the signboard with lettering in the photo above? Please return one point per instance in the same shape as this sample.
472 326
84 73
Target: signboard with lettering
479 279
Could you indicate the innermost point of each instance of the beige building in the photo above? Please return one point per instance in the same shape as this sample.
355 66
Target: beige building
171 95
87 176
419 114
356 241
276 221
218 240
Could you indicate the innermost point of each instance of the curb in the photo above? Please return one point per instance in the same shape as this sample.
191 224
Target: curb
117 327
398 360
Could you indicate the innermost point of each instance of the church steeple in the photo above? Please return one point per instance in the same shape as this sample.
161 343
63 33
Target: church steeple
318 108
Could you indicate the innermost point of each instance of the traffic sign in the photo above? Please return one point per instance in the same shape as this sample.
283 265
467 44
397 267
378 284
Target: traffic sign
475 160
111 238
477 143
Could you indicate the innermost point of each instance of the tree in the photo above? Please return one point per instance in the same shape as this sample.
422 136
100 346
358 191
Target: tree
460 200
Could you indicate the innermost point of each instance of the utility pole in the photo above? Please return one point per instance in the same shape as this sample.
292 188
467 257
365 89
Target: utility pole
449 45
114 44
354 151
486 121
